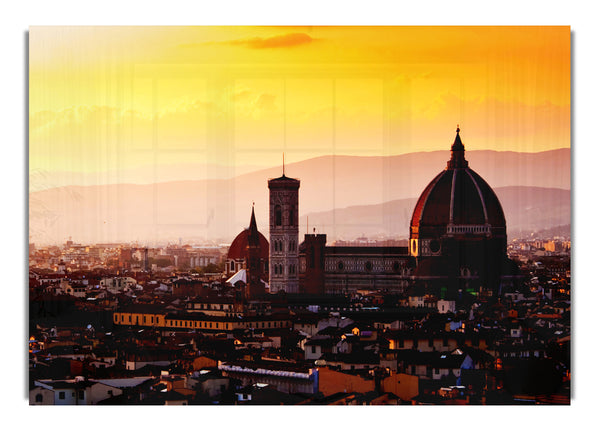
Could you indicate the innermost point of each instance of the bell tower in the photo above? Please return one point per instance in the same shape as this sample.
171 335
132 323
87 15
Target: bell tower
283 234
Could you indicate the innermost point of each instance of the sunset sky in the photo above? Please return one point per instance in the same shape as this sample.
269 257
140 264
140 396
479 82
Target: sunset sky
152 104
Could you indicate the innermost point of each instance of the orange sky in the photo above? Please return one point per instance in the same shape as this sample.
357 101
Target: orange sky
156 101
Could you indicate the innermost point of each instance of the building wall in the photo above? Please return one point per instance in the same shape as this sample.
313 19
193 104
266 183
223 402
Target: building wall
203 362
308 328
331 382
214 387
139 319
312 352
282 384
446 306
70 397
402 385
136 365
353 268
438 373
100 391
196 322
46 395
312 264
425 344
117 284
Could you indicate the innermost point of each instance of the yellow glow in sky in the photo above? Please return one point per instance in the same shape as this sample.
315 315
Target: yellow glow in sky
103 100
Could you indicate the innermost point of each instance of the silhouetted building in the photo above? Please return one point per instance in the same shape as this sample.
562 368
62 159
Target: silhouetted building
457 244
255 286
312 264
340 270
458 231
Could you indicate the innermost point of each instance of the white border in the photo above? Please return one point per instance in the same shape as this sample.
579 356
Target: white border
18 16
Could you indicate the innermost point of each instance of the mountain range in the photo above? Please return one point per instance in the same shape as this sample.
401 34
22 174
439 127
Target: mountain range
343 196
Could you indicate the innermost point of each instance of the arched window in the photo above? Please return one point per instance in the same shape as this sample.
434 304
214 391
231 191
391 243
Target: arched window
291 216
39 398
277 215
311 261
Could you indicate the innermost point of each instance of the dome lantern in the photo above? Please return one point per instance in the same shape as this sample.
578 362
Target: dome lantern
457 160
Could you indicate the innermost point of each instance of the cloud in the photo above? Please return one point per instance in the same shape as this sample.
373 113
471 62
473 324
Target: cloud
281 41
265 102
74 115
184 105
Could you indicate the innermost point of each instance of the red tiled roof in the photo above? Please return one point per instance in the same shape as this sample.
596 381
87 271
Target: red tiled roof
237 250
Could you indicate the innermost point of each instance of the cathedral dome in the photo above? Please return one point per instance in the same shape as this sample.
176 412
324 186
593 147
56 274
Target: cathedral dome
457 201
237 249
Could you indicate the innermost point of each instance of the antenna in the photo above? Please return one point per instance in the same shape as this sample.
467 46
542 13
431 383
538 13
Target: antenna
283 155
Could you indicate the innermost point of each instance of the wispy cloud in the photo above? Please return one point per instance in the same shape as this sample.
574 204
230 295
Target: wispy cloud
279 41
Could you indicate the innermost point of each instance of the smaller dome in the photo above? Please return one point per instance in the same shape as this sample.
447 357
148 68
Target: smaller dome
237 249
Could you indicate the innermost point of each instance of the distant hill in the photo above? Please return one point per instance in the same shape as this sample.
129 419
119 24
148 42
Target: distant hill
218 209
526 209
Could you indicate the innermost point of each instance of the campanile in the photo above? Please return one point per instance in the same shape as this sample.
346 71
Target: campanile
283 234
